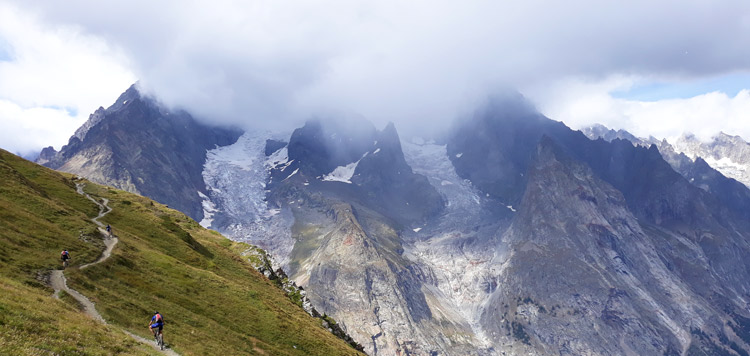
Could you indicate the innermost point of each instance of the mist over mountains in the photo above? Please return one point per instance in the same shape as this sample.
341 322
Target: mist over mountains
509 234
274 65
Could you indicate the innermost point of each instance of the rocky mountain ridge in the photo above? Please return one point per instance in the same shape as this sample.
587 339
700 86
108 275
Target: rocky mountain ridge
728 154
734 194
139 146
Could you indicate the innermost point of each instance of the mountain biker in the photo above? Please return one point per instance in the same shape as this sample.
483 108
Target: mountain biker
64 256
109 230
157 324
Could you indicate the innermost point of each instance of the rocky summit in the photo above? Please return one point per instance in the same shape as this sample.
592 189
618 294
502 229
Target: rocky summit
142 147
509 235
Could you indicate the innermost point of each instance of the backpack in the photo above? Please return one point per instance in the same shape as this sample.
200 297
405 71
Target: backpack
159 318
64 254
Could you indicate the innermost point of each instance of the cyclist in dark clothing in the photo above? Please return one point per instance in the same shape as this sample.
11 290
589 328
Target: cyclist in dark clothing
157 324
65 257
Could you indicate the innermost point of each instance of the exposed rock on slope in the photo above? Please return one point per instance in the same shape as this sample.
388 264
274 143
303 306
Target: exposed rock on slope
579 261
139 146
599 223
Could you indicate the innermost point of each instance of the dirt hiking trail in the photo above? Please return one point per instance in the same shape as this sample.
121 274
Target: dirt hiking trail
59 283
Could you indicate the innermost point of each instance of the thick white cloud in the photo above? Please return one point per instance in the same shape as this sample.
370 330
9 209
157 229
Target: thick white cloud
579 104
25 131
53 78
418 63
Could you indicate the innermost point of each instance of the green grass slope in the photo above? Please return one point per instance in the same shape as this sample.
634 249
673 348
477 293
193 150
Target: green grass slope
213 300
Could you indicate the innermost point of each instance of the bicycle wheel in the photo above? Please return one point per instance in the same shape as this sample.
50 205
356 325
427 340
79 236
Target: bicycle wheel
161 342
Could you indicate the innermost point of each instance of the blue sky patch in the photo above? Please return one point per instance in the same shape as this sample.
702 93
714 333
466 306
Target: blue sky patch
71 111
5 54
730 84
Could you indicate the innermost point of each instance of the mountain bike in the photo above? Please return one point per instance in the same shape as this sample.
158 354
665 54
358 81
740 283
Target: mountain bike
159 337
65 264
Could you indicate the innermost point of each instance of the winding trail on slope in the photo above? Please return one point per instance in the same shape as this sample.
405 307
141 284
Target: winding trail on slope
58 281
109 239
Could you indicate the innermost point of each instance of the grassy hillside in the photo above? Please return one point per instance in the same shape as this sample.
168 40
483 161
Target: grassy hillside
212 299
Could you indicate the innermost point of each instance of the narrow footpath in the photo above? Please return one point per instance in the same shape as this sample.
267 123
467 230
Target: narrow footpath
59 283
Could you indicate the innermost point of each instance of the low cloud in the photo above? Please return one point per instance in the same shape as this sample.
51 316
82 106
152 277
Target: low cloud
418 63
583 104
51 79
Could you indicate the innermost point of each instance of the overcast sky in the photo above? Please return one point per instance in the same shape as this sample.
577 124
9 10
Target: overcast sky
651 67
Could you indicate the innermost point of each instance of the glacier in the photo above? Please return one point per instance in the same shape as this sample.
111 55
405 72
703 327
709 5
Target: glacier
235 178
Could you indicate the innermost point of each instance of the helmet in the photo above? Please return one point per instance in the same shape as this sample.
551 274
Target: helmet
156 312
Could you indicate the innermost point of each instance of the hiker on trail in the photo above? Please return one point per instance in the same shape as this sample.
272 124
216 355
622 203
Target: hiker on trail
157 324
64 256
109 230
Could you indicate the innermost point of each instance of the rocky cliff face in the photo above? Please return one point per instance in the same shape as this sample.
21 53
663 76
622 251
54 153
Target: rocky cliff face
616 219
139 146
582 275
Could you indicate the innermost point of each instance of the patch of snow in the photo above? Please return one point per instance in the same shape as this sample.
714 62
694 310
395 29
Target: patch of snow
343 174
511 208
730 168
209 208
376 151
124 102
724 161
281 156
287 165
293 173
234 155
445 182
417 229
458 155
728 155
